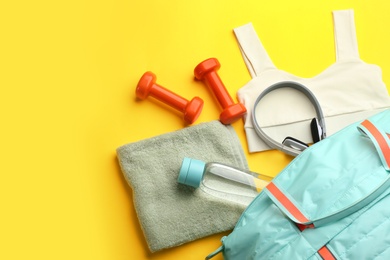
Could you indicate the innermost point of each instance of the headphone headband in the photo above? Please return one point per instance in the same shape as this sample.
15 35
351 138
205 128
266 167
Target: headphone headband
280 146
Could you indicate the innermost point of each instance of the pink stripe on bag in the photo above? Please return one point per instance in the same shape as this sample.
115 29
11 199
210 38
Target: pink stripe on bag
286 202
325 253
380 140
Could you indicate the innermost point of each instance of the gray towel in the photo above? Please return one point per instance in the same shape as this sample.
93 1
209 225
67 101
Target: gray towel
170 213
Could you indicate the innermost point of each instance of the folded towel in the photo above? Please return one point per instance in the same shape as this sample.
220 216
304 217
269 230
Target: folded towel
170 213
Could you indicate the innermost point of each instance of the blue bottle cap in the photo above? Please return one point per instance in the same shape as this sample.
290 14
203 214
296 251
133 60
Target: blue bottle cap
191 172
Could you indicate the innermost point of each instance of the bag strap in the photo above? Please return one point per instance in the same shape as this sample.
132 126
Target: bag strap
380 139
287 205
216 252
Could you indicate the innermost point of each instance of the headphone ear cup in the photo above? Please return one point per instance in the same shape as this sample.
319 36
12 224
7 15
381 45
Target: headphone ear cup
294 143
316 131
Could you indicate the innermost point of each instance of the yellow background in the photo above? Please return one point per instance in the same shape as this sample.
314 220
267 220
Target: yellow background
68 71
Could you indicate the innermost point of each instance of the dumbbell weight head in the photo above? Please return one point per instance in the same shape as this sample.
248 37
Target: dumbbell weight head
205 67
145 84
193 109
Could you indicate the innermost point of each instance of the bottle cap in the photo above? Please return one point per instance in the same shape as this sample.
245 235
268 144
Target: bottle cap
191 172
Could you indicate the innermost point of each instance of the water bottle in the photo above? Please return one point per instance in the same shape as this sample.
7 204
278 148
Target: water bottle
222 181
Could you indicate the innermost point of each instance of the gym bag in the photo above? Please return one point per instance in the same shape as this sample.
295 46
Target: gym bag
330 202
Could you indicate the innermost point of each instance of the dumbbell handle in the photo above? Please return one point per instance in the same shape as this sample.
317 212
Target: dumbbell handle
163 94
215 83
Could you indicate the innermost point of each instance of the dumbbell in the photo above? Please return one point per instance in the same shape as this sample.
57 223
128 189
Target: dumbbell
147 86
207 71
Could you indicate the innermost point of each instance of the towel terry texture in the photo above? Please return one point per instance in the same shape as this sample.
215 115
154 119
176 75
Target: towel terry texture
172 214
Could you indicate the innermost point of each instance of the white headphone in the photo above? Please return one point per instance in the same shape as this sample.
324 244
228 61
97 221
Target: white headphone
291 145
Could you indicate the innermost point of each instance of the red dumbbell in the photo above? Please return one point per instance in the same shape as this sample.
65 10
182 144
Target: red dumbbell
207 71
147 86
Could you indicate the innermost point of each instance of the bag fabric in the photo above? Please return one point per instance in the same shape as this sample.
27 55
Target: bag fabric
330 202
348 91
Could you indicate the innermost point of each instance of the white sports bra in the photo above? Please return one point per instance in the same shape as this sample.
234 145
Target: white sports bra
348 91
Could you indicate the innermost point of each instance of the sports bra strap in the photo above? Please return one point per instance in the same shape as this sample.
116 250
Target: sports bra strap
345 35
255 56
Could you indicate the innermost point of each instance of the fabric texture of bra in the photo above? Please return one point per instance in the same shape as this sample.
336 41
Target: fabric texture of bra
348 91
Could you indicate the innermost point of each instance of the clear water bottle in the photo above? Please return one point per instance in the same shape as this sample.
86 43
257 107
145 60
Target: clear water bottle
222 181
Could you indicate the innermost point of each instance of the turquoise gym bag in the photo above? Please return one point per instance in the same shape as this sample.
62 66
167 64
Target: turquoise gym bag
330 202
